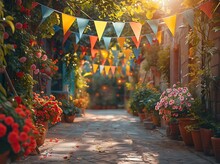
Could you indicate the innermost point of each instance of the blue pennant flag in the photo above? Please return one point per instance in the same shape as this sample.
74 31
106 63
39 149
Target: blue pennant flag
46 12
82 23
153 25
149 38
137 52
77 37
107 41
189 16
115 53
118 26
131 63
87 57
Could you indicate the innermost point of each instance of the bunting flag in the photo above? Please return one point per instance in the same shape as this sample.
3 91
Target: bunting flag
107 68
137 52
207 8
121 42
118 26
66 36
95 67
101 68
46 12
136 42
153 25
189 16
115 53
113 69
100 28
83 49
107 41
127 70
93 40
149 38
136 27
75 46
34 4
104 54
110 61
119 69
103 62
77 38
82 23
94 52
159 36
67 22
171 23
127 53
116 61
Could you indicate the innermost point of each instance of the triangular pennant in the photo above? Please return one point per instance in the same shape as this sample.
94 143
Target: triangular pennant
107 68
159 36
84 49
103 62
94 52
82 23
67 22
127 53
137 52
113 69
107 41
127 70
75 46
136 42
101 68
104 54
110 61
189 16
77 37
93 40
131 62
66 36
149 38
118 26
115 53
46 12
171 23
100 28
121 41
153 25
34 4
136 27
95 67
207 8
119 69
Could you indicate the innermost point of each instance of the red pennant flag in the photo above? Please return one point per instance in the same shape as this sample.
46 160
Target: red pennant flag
84 49
94 52
66 36
136 42
103 61
76 46
207 8
93 40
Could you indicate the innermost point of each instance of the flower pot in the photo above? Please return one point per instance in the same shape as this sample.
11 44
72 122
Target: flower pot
186 135
45 124
206 135
135 113
4 157
141 116
173 131
41 139
70 119
155 120
63 118
197 141
216 148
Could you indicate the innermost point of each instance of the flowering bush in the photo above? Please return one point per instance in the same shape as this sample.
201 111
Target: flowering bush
46 109
17 131
174 102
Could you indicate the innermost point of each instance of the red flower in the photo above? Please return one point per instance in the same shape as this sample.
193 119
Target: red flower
16 147
15 46
18 99
23 136
25 25
15 126
5 35
20 74
26 129
3 130
19 2
13 137
2 116
9 120
18 25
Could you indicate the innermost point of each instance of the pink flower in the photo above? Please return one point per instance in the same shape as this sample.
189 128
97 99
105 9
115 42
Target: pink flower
171 102
18 25
23 59
188 104
181 98
33 67
19 2
44 57
36 71
5 35
38 54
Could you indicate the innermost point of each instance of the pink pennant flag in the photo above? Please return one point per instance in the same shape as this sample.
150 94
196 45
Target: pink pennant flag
207 8
136 42
136 27
113 69
93 40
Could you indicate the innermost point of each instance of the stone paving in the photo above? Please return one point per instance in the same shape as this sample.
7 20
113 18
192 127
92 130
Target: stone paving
112 137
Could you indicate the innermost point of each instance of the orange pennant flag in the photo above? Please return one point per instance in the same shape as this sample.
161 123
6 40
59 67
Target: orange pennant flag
127 53
121 41
207 8
119 69
95 67
136 27
67 22
94 52
110 61
136 42
107 68
171 23
159 36
113 69
93 40
100 28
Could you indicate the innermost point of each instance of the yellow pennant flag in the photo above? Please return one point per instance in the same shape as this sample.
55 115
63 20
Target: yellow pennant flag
171 23
95 67
107 68
100 28
159 36
67 22
127 70
121 41
104 54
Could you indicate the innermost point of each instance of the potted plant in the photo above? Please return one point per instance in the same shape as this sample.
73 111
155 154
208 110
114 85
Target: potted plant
216 143
69 111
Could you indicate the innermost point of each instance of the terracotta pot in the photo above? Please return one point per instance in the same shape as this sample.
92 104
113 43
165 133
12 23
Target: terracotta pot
186 135
148 116
4 157
70 119
45 124
206 135
197 141
216 148
135 113
40 140
173 131
155 120
62 118
141 116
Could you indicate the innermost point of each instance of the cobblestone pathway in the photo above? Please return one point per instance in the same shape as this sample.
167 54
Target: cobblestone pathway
114 137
